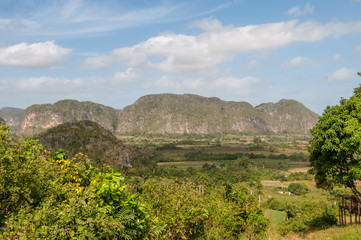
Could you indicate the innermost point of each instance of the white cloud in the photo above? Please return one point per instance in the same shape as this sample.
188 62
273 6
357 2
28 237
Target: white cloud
187 53
224 84
300 61
129 76
97 62
57 85
36 55
208 24
297 11
47 84
341 74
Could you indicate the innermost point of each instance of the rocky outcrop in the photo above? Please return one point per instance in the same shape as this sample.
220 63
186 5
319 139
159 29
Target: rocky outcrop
38 118
184 114
288 116
12 117
175 114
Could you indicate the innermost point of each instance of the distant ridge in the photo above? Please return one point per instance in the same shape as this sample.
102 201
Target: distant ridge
175 114
38 118
12 117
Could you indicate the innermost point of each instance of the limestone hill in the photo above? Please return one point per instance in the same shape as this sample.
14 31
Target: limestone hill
12 117
175 114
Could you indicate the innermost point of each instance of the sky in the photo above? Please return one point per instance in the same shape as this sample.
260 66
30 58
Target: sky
113 52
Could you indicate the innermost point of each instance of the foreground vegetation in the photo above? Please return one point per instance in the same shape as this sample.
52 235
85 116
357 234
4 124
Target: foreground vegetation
181 187
46 195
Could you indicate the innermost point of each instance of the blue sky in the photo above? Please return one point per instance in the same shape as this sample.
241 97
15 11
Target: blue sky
113 52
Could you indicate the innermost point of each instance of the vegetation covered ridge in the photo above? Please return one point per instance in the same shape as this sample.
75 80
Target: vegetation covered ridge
175 114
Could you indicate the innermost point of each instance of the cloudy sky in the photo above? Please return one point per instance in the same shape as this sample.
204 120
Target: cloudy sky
114 51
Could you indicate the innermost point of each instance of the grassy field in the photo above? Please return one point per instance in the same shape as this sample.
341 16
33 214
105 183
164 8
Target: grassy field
262 162
276 217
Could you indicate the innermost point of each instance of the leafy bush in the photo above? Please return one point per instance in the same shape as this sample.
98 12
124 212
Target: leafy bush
310 215
182 212
25 174
275 204
298 188
45 195
178 210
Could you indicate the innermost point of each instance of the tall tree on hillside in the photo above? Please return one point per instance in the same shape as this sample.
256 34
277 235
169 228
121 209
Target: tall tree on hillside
335 150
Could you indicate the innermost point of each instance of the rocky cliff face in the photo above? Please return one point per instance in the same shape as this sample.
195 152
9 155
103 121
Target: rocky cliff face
288 116
38 118
182 114
12 117
175 114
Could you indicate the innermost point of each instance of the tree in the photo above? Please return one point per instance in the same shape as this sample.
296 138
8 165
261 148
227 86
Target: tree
298 188
335 150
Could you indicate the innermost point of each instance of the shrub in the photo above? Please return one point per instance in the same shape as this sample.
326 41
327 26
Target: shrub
311 215
275 204
298 188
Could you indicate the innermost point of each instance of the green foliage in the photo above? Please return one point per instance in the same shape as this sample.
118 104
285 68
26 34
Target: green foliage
25 174
111 197
298 188
335 147
275 204
278 217
90 138
179 210
298 157
310 215
201 156
182 212
46 195
299 176
247 218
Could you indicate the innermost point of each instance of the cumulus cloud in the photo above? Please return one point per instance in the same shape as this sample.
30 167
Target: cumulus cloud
300 61
188 53
129 76
58 85
341 74
297 11
36 55
49 84
225 84
208 24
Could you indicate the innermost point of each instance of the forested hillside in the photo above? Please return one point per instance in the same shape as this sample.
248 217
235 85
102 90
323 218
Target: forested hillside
90 138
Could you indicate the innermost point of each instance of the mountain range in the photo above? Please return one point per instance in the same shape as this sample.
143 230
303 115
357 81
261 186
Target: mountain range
168 114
